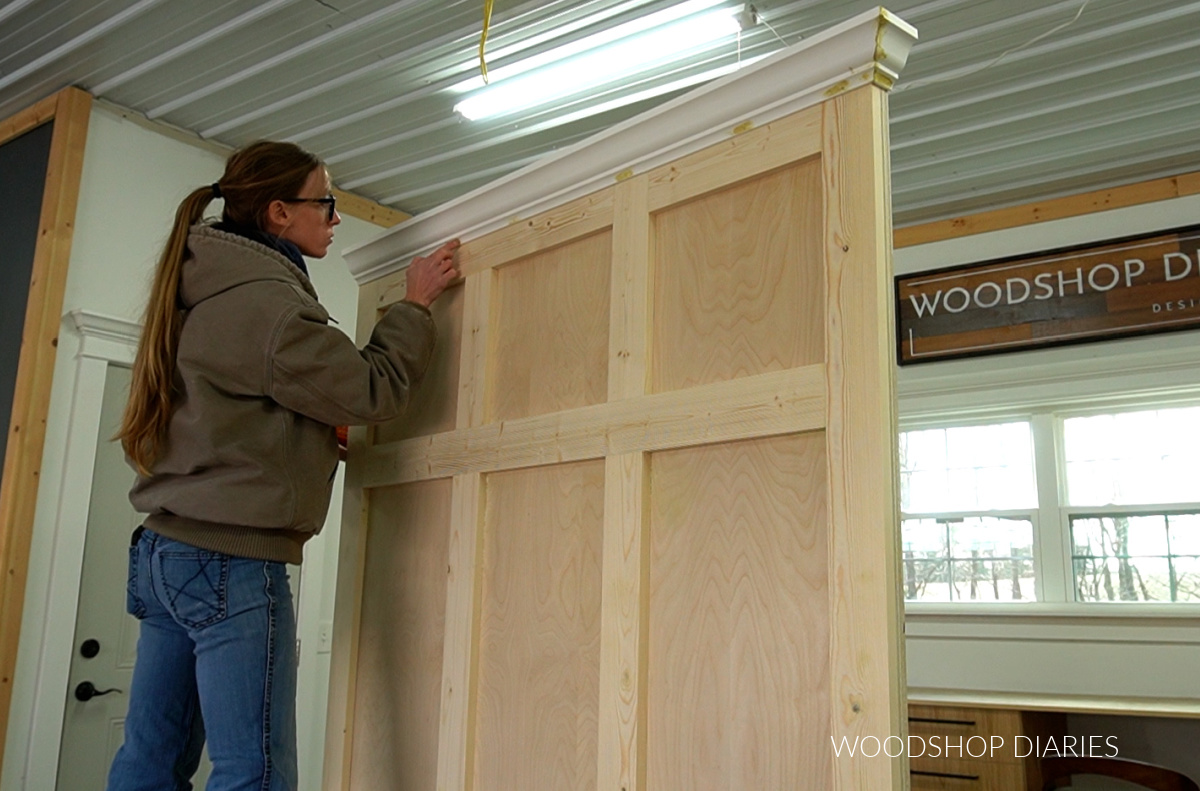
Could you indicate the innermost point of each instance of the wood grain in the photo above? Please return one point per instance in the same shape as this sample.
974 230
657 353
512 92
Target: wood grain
26 437
29 118
539 643
624 642
1052 209
456 746
629 320
738 281
744 156
475 354
739 646
366 209
550 349
547 230
434 405
782 402
403 624
865 613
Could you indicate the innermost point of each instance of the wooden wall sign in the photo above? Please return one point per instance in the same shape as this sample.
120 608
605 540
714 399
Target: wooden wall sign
1137 285
639 529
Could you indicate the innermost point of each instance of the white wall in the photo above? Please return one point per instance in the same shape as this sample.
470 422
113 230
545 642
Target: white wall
1048 649
133 178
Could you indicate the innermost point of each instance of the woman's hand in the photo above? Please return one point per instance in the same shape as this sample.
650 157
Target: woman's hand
429 276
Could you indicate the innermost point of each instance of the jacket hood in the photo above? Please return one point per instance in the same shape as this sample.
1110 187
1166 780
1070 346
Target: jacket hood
220 260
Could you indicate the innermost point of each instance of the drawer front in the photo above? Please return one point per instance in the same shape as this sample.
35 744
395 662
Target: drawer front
963 733
968 775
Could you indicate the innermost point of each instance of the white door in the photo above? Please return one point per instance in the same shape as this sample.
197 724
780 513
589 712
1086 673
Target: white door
105 636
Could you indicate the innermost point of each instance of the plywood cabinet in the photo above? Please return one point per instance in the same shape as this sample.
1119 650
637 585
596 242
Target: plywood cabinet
639 530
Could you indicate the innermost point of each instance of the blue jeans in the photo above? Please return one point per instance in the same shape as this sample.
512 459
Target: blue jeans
216 654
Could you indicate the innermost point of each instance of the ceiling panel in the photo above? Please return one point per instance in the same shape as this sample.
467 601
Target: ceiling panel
1002 101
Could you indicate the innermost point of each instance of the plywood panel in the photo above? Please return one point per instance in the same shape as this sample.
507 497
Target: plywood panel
539 643
399 674
434 406
739 645
738 281
551 344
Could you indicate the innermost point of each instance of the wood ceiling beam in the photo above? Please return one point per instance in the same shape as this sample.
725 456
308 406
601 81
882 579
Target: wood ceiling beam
1053 209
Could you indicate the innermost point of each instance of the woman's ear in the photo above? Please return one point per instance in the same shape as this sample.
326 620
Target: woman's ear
278 217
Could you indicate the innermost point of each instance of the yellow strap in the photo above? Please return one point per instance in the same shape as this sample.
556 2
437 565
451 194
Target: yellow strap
487 22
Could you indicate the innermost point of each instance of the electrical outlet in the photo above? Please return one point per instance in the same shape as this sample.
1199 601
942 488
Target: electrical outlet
325 637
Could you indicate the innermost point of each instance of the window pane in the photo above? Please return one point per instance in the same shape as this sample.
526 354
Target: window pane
1122 579
924 537
1183 531
969 559
1187 578
1136 557
992 537
1133 457
993 580
967 468
926 580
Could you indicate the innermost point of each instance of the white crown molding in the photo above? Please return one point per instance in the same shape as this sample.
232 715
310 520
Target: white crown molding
870 48
105 337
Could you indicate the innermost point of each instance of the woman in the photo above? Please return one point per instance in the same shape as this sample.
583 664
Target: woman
237 385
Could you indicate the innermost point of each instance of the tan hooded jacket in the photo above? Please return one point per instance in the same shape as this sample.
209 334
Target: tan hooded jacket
250 455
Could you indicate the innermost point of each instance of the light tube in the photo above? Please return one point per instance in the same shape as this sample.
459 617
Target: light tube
603 61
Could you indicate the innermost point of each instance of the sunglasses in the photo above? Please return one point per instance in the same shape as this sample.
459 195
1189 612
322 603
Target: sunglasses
329 201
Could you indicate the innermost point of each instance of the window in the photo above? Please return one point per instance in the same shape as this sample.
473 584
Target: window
968 496
1132 493
1111 514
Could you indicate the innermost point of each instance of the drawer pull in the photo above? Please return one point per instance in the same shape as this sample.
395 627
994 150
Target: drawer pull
950 775
942 722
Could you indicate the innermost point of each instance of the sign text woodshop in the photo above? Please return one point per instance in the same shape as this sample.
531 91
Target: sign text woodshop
1133 286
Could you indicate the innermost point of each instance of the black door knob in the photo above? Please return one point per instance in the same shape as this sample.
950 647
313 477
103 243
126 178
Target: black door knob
89 648
87 690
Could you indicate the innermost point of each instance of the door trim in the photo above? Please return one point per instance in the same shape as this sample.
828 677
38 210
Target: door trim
70 109
96 342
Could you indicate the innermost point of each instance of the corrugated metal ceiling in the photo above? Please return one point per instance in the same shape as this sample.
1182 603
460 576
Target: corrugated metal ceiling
1002 101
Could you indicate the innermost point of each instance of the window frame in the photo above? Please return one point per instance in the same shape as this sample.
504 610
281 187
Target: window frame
1054 581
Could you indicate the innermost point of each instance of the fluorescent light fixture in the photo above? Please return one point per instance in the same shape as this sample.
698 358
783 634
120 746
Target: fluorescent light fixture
600 59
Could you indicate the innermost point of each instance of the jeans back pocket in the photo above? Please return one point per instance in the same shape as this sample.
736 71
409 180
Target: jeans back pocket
194 585
133 603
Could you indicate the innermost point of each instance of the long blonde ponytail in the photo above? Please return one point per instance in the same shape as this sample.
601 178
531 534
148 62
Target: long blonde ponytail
150 394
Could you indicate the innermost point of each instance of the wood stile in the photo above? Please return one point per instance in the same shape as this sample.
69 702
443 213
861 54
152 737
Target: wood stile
667 574
624 626
865 613
70 109
629 318
472 375
460 666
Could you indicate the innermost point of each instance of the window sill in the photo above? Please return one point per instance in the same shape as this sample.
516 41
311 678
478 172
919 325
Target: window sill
1055 611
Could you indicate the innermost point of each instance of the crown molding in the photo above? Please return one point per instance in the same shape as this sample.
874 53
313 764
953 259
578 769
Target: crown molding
869 49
